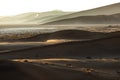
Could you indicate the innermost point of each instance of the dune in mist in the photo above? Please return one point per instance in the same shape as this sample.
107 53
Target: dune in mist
99 19
51 16
105 10
32 17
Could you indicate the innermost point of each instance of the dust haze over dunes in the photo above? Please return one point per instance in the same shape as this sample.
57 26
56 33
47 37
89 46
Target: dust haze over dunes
99 19
58 45
106 10
51 16
32 17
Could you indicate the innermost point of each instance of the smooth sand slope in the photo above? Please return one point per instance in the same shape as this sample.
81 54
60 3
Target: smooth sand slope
108 47
32 17
72 34
20 71
99 19
105 10
51 16
38 71
49 39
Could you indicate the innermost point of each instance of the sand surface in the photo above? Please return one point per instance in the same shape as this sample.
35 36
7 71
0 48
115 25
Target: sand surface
62 55
58 45
60 69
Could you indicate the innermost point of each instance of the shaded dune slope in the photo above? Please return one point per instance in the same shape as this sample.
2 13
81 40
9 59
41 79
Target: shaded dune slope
105 10
32 17
99 19
51 16
63 34
27 71
19 71
108 47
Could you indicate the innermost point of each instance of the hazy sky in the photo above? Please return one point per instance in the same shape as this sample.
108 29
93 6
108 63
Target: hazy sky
13 7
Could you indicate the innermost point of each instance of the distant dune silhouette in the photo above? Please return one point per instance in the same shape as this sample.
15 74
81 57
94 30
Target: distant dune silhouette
32 17
51 16
105 10
99 19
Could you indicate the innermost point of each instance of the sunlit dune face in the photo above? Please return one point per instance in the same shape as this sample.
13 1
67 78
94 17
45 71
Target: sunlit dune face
46 60
3 43
59 59
67 59
54 41
59 40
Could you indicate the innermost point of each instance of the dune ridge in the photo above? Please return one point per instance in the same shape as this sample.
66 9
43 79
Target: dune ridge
105 10
72 34
51 16
32 17
99 19
104 47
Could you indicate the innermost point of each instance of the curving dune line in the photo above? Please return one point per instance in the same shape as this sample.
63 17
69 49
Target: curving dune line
108 47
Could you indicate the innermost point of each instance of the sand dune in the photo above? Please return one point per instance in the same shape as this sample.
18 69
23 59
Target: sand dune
99 19
99 48
49 39
65 35
20 71
105 10
66 54
51 16
10 70
32 17
38 71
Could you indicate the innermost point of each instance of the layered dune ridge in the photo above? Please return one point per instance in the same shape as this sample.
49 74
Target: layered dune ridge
58 45
52 17
99 19
105 11
72 34
99 48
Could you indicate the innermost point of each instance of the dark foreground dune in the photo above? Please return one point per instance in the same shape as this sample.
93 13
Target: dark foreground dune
32 71
20 71
108 47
